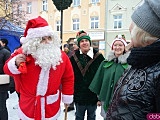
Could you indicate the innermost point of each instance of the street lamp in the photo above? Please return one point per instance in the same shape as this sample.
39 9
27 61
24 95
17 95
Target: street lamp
62 5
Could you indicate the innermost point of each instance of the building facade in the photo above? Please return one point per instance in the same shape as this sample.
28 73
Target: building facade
118 19
101 19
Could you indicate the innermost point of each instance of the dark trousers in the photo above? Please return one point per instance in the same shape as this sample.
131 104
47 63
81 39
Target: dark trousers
81 109
3 108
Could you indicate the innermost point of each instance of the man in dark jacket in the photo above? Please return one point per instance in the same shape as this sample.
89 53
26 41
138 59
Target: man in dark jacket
85 63
4 43
4 86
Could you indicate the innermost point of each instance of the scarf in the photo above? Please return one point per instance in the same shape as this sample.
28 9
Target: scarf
145 56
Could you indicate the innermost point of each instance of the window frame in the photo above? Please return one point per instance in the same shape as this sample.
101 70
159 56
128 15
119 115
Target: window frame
58 25
95 1
76 24
29 7
117 22
76 3
44 5
94 22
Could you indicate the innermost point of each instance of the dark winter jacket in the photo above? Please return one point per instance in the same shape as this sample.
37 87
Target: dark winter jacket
137 93
4 55
84 72
6 47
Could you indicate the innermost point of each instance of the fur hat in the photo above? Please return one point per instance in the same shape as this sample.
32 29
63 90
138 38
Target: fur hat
37 27
82 35
119 38
147 17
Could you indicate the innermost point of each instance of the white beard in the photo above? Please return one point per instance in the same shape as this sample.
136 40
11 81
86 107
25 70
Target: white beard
46 55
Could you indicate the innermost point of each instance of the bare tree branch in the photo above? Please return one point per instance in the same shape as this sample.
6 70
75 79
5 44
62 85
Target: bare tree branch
11 10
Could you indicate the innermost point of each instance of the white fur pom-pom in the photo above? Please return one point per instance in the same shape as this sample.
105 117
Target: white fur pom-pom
22 40
119 36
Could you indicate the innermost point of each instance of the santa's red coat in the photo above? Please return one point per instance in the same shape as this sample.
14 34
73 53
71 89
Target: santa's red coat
60 81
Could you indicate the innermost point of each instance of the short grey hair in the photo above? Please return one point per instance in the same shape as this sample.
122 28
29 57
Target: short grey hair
144 37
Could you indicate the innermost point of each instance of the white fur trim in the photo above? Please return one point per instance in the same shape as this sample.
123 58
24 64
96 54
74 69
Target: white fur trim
4 79
22 116
123 41
52 98
12 67
42 108
119 38
67 99
121 59
39 32
43 82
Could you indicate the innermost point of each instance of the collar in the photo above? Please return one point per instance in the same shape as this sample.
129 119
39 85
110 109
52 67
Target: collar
147 56
89 53
121 59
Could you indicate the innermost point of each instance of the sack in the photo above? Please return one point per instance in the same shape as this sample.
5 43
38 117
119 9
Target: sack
4 79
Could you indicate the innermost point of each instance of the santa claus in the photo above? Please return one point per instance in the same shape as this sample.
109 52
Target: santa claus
42 72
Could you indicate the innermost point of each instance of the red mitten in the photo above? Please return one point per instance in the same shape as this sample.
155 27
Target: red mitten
22 67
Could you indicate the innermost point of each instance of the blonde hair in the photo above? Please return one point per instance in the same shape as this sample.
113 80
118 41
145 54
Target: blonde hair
144 37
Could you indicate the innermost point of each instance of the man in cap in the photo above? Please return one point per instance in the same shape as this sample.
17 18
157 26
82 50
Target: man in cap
85 62
4 43
4 84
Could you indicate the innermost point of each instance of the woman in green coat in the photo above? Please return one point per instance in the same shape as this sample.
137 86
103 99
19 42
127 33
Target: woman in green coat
109 72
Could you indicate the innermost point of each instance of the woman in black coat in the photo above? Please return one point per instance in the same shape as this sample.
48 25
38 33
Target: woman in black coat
137 93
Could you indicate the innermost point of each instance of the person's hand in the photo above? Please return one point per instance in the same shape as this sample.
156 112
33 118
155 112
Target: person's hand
99 103
19 59
129 47
66 105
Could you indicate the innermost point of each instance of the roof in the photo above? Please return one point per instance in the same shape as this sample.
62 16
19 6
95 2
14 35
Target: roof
9 28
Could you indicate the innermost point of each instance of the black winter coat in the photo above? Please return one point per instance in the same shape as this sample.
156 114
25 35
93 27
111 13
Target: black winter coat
137 93
4 55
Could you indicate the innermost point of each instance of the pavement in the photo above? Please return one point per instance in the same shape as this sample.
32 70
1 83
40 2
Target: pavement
13 101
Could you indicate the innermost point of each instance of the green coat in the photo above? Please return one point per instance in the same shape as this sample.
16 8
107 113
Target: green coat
106 77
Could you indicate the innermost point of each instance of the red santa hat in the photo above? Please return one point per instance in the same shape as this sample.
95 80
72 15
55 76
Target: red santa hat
119 38
37 27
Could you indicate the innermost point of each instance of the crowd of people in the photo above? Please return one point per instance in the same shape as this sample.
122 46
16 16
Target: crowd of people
126 84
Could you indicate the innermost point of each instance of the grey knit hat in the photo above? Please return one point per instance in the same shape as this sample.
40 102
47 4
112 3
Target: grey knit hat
147 16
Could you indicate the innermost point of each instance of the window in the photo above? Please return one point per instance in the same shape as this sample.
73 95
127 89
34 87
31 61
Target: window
117 21
76 3
29 7
76 24
6 5
19 8
94 1
44 5
58 25
94 22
